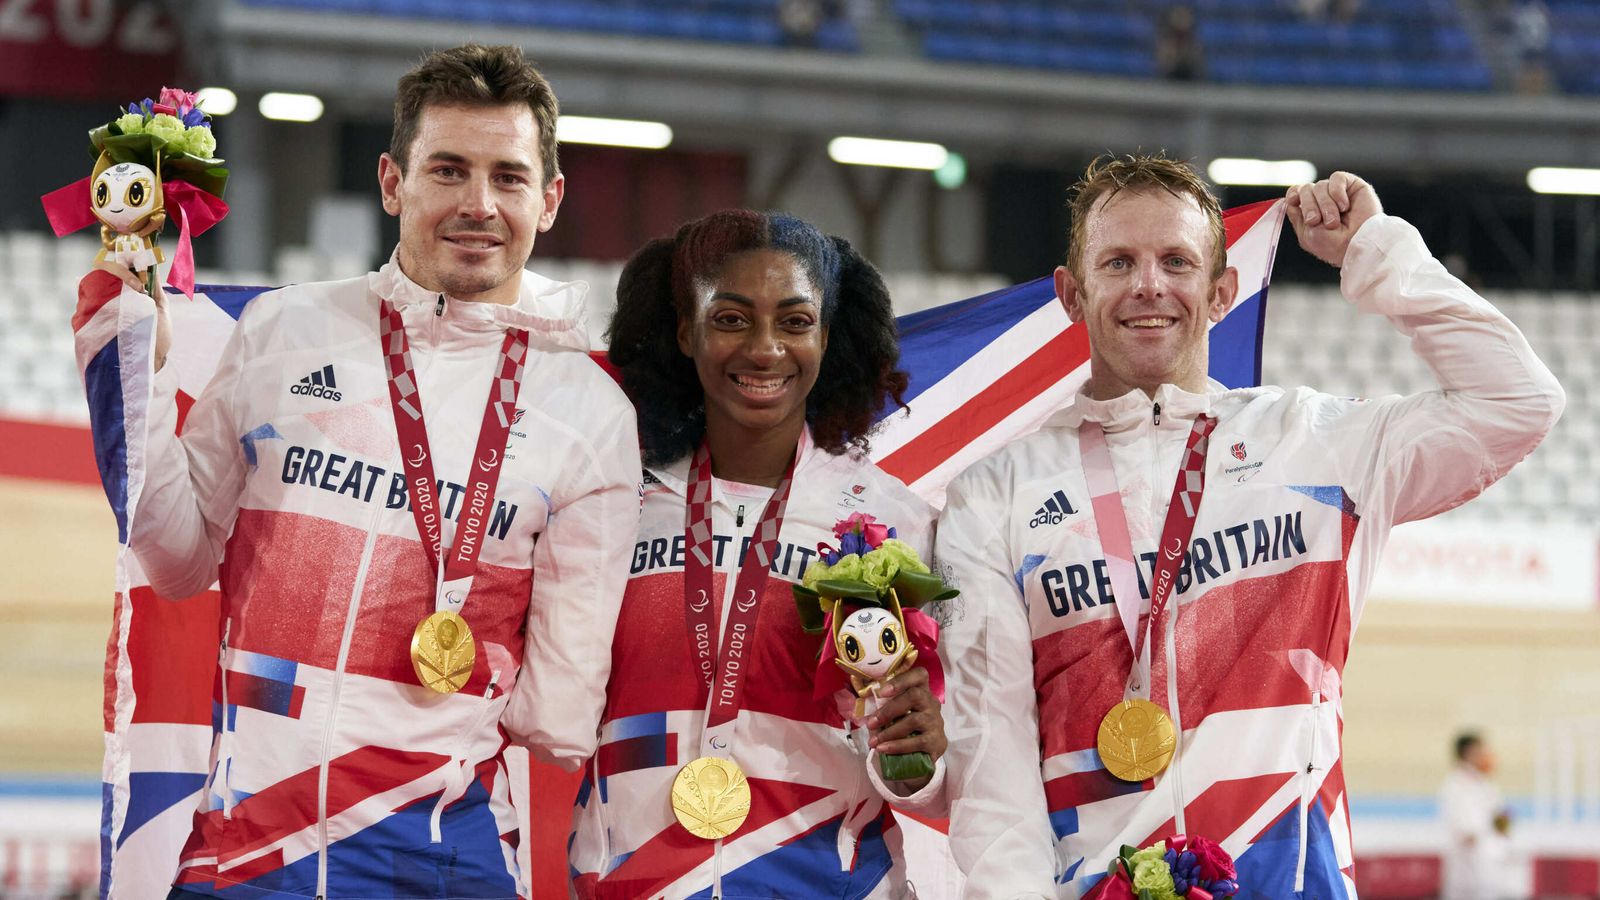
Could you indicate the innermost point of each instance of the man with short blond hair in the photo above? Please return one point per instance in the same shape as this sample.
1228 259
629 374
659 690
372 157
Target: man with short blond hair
1166 658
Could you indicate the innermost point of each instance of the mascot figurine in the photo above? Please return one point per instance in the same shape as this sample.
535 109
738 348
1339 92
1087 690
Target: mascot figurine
127 200
867 598
155 161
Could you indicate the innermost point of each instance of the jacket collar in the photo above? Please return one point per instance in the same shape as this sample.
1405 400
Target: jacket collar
552 312
675 475
1135 407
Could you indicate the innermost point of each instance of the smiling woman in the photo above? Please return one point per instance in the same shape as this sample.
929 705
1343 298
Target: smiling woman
758 352
762 322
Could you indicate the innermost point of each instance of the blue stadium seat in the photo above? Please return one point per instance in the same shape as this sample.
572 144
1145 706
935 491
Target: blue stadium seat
728 21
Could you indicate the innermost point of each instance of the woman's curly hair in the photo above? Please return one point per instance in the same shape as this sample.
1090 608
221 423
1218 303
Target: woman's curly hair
858 374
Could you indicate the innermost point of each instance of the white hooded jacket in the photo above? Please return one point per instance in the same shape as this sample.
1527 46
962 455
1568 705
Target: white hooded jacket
819 825
1302 489
334 772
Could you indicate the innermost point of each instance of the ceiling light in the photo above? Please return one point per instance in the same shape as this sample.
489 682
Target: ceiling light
217 101
1263 172
857 151
291 107
1549 180
613 132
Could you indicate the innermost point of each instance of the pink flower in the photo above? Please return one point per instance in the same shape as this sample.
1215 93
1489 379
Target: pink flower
871 531
852 522
875 534
1215 862
178 102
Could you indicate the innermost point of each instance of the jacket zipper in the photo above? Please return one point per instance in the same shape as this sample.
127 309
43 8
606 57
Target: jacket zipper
1306 789
225 763
333 707
344 654
729 588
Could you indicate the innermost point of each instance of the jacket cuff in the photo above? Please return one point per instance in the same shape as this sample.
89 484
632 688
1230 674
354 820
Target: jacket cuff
1384 244
930 798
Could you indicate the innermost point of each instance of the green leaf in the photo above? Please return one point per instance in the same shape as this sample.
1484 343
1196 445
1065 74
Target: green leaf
917 589
808 604
855 590
905 766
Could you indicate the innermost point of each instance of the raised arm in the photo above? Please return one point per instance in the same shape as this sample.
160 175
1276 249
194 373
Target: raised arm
1495 400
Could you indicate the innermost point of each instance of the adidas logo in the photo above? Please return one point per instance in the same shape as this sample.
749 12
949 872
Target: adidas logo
1055 509
318 384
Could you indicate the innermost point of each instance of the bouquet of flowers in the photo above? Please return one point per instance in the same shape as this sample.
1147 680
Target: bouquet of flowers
867 596
155 158
1194 868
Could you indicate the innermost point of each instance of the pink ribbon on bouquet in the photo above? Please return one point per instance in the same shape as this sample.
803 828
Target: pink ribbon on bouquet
68 210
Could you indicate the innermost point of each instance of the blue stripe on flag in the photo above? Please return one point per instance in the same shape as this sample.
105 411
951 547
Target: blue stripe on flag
102 382
106 788
935 341
152 793
231 298
1029 563
1064 822
1236 343
273 667
642 725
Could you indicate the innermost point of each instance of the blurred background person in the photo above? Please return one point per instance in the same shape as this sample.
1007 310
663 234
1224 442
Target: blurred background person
1479 861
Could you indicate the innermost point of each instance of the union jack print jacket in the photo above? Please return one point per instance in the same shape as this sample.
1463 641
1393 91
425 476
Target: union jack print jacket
334 772
819 825
1301 491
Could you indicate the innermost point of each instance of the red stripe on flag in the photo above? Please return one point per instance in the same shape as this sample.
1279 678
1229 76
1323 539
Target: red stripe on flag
674 852
95 290
552 791
1238 220
940 825
108 706
1084 788
290 805
172 651
185 402
1057 359
1223 807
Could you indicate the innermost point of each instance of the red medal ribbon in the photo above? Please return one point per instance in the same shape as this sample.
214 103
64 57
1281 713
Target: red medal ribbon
723 674
1115 544
406 403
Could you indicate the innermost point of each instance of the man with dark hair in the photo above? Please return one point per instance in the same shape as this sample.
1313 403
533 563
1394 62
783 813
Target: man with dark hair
1164 658
419 495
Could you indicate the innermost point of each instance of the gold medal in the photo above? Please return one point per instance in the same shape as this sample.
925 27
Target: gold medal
442 651
1136 740
711 797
